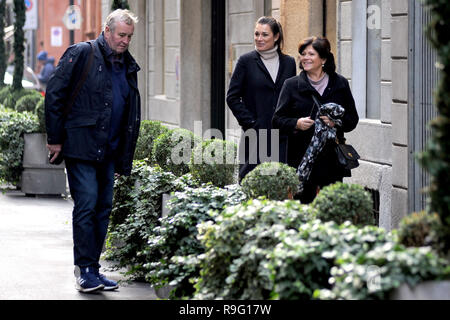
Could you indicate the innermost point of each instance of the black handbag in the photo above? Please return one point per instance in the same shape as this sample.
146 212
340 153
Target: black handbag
347 155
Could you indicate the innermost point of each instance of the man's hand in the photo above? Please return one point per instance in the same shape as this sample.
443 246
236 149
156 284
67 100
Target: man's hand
54 150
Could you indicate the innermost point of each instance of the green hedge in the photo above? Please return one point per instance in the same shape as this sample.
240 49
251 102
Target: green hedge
374 274
173 249
238 244
342 202
134 220
214 246
9 97
302 261
421 229
214 161
149 131
273 180
172 150
13 125
28 102
39 111
137 206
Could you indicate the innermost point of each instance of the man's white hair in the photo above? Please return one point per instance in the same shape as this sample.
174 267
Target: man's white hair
122 15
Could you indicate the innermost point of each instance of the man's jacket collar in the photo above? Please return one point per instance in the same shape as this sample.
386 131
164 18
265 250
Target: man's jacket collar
130 62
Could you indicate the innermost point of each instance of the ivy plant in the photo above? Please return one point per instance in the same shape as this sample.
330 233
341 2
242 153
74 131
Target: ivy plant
302 261
134 221
237 247
374 274
173 248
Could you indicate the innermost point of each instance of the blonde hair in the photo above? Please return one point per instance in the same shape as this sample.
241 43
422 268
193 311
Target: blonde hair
122 15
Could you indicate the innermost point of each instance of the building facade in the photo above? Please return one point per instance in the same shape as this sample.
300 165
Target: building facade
188 49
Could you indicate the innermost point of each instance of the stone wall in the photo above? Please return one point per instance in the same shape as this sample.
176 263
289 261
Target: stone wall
381 139
399 54
163 17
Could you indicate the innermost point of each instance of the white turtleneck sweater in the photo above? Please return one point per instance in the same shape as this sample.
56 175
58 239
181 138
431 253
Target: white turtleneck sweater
271 60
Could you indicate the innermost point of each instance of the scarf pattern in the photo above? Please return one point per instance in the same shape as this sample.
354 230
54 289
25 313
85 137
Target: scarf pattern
322 133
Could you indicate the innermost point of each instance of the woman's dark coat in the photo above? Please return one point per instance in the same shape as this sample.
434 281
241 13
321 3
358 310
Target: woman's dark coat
84 132
296 102
252 97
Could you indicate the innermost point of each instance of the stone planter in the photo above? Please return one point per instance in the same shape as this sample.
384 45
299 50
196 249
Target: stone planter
429 290
39 177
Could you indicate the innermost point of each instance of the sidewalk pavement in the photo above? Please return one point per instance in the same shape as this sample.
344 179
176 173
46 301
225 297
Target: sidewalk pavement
36 253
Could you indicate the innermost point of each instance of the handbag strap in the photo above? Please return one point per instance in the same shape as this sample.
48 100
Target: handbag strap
87 67
316 102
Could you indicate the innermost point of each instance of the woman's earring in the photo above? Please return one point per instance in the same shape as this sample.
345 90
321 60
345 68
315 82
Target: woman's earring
323 66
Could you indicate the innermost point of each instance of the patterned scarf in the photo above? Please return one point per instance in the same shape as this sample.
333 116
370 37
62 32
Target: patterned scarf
322 133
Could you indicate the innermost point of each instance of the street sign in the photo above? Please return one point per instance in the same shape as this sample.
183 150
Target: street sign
56 37
31 14
72 18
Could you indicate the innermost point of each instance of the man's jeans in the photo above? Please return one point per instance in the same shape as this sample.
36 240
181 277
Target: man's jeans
91 186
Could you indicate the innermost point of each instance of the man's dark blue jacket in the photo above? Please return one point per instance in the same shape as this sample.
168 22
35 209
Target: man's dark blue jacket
84 131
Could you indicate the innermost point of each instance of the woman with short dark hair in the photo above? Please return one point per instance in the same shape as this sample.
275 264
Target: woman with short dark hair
254 90
297 111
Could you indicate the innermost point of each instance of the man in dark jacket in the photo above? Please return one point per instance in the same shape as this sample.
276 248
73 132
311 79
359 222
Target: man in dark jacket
97 136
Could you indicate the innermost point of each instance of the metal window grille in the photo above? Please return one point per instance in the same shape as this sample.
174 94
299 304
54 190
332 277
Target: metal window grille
423 79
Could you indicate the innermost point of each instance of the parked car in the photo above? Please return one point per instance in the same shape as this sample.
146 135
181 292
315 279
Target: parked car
29 79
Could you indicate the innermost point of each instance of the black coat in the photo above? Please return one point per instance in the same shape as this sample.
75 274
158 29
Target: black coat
296 102
252 97
84 132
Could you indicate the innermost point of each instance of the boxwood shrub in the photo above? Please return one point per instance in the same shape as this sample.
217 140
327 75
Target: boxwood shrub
273 180
215 161
172 150
10 96
342 202
421 229
149 131
28 102
13 125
